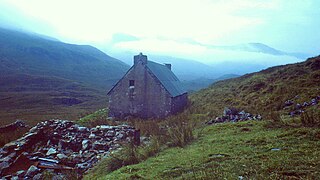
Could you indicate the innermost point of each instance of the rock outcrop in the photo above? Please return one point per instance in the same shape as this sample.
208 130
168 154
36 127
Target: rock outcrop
234 115
61 145
298 108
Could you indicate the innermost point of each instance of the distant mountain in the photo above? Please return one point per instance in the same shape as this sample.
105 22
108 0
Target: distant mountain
41 77
187 69
250 57
230 59
261 48
200 83
227 76
26 53
237 67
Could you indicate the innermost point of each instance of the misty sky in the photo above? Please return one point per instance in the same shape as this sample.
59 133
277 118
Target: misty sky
184 28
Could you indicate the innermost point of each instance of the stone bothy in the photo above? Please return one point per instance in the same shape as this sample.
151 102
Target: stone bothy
147 90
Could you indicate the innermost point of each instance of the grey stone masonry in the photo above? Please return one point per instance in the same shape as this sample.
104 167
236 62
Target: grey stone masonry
147 90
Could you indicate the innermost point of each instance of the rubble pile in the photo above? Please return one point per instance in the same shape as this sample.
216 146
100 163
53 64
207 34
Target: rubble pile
61 145
234 115
297 108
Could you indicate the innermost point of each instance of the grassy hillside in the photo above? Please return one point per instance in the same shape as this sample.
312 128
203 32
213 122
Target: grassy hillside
35 98
278 147
232 151
262 92
42 78
34 55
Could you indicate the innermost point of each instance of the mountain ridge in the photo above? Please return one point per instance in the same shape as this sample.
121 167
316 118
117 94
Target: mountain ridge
30 54
259 48
43 78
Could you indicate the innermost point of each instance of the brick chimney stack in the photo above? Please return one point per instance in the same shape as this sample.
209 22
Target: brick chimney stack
168 66
140 57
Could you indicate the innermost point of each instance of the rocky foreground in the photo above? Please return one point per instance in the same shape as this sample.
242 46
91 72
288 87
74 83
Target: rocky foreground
59 146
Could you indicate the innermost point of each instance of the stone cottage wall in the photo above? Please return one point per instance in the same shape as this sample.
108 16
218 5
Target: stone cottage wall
158 98
146 99
179 103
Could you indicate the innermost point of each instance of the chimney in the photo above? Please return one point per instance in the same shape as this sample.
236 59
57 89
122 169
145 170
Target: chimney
168 66
140 57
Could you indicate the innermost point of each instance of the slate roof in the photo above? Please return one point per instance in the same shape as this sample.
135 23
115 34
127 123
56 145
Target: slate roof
167 78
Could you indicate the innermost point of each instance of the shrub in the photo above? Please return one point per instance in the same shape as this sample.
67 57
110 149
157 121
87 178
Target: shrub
179 130
148 127
151 150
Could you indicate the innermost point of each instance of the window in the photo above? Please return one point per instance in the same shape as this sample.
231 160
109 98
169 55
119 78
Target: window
131 90
131 82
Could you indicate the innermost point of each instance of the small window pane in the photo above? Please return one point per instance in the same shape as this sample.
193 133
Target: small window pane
131 82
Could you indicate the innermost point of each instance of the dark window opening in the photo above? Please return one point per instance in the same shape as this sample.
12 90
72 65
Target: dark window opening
131 90
131 82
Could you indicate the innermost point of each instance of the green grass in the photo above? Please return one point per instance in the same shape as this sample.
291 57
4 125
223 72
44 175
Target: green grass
261 92
227 151
36 106
100 114
97 118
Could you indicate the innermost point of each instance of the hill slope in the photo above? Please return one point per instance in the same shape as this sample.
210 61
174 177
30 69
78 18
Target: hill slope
264 91
245 150
36 98
43 78
22 53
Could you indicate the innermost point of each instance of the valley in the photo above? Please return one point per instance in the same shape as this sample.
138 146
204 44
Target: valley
43 78
274 132
152 89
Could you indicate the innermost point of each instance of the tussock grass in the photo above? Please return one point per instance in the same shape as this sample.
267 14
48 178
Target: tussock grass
225 151
174 131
